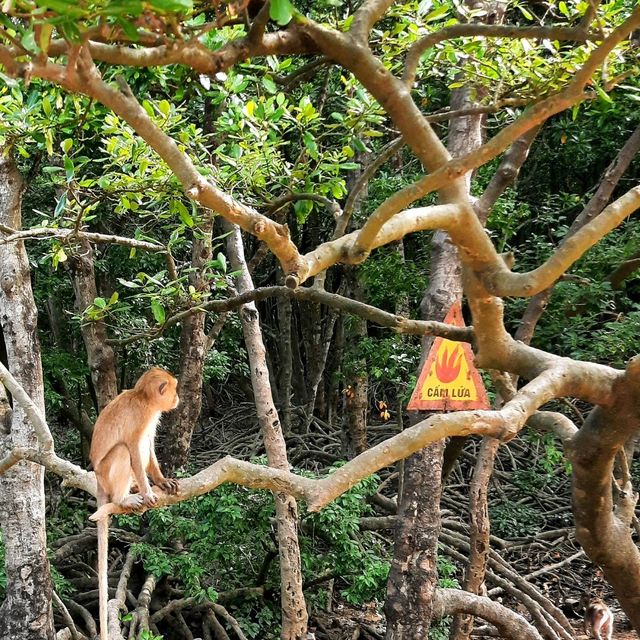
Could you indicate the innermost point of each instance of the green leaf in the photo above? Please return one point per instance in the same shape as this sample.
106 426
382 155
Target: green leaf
114 298
29 42
165 108
222 259
60 205
182 6
59 255
128 284
603 95
101 303
269 84
310 144
158 311
69 168
64 8
66 144
281 11
184 214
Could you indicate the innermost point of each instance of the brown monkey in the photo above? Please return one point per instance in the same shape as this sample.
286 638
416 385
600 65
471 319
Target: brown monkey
598 619
122 452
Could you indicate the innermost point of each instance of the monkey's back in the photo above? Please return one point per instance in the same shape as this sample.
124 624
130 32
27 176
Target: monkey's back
107 431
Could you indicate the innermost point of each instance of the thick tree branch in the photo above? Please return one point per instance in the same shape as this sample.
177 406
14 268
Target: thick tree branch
193 53
448 602
505 283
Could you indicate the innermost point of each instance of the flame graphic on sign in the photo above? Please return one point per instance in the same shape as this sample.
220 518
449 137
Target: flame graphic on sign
448 366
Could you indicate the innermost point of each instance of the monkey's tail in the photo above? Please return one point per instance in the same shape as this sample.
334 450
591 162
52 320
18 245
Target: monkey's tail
103 567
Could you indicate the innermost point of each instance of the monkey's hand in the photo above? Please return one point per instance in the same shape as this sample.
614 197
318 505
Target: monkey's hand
169 485
148 499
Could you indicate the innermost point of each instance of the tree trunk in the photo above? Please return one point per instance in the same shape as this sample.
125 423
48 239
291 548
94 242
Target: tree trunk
604 526
181 423
26 613
479 532
100 355
413 578
285 368
356 378
294 610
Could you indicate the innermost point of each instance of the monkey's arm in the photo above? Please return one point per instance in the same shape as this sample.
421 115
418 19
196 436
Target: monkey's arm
166 484
140 475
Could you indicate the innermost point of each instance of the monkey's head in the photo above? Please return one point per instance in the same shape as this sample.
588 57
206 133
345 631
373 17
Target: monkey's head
159 387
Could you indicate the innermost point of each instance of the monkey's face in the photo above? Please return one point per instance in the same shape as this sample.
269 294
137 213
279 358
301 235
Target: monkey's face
168 393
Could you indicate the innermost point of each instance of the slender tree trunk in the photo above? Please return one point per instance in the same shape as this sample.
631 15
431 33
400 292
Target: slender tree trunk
181 423
100 355
294 610
413 578
26 613
479 531
285 368
357 380
317 334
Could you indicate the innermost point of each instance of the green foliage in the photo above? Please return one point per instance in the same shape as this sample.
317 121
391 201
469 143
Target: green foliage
513 520
390 279
359 559
219 542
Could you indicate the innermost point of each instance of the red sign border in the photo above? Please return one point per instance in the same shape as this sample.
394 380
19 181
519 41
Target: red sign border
416 403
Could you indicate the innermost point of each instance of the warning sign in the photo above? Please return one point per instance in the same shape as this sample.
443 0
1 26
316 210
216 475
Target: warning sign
448 380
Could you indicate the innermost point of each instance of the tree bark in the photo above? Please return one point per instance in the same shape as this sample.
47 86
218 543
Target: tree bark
100 355
181 423
356 378
603 526
414 578
479 532
26 613
294 610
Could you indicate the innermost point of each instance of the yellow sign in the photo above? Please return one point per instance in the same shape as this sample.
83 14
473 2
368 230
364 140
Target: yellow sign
448 380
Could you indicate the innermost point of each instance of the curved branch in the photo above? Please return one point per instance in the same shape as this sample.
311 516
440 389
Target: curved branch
366 16
507 283
458 167
39 424
448 602
576 34
445 216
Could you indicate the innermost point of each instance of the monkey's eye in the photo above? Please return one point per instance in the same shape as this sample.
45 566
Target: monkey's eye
162 388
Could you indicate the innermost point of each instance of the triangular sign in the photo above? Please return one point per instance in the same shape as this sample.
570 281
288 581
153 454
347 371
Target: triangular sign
449 380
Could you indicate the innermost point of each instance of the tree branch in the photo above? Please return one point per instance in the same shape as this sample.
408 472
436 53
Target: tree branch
470 30
447 602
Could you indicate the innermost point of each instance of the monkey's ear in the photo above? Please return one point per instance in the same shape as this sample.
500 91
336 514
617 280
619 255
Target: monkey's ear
162 387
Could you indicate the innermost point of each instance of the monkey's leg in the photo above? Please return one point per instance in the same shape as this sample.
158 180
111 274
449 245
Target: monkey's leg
120 479
139 471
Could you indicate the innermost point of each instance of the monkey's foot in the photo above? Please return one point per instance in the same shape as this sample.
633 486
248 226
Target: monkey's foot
169 485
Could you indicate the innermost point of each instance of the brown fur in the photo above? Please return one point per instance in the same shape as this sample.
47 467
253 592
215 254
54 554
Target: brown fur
123 453
598 619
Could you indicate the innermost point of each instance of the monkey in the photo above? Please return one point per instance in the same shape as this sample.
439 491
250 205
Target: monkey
123 452
598 618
